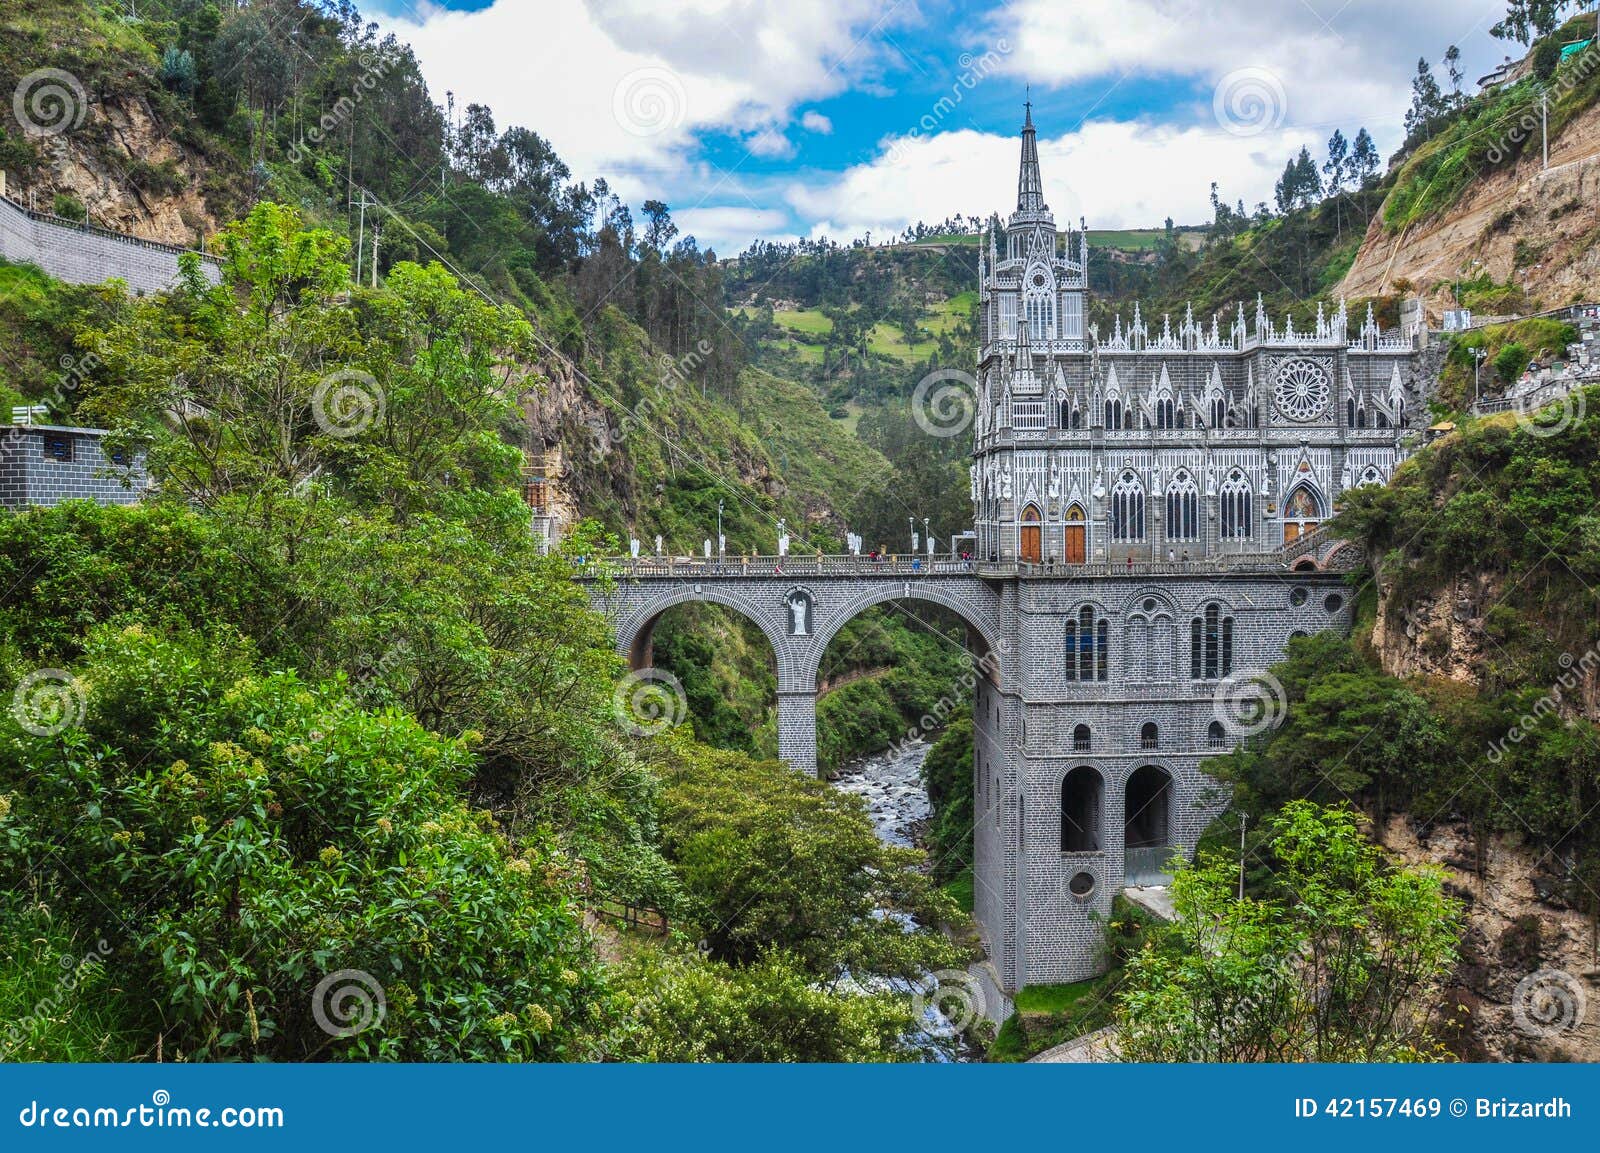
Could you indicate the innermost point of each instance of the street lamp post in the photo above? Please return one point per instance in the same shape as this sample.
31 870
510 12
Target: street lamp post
912 521
721 547
1477 363
927 541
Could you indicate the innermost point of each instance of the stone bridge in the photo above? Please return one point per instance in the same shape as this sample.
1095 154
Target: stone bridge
799 604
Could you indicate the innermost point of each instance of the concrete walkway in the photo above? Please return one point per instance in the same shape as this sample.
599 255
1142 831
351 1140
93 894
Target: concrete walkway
1156 899
1091 1048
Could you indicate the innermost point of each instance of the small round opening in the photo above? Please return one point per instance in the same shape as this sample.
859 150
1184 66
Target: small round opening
1297 597
1081 885
1150 604
1334 603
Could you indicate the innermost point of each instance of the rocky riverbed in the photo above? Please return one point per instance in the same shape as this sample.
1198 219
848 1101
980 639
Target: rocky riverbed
891 785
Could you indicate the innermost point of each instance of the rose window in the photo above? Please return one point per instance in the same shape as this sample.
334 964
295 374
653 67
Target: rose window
1302 391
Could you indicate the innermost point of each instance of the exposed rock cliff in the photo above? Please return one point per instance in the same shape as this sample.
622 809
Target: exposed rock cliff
1528 985
128 171
1535 228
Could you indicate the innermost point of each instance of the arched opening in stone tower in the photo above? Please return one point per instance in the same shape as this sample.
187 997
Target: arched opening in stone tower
1082 806
1147 825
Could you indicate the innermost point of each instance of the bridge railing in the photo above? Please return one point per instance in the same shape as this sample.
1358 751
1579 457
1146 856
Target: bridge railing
780 566
906 566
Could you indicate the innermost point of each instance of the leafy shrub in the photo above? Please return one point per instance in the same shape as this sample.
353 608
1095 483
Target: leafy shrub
1510 362
249 834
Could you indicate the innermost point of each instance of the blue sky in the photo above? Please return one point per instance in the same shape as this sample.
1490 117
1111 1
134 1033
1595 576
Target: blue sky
839 117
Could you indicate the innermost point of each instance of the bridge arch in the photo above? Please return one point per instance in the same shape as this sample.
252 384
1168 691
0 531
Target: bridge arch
636 632
990 657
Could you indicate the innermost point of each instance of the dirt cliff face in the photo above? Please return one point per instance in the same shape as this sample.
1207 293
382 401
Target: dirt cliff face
130 173
1528 985
1556 213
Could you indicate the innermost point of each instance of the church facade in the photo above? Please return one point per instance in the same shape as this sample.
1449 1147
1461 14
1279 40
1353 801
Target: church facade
1157 490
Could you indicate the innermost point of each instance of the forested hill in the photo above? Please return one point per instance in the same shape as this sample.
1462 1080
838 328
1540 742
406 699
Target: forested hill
190 114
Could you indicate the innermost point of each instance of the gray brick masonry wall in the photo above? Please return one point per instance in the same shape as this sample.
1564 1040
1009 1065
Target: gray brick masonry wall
32 474
84 254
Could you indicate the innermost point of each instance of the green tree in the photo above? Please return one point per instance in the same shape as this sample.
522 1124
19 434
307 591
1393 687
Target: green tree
1363 159
250 834
1340 961
1427 102
1510 362
1526 20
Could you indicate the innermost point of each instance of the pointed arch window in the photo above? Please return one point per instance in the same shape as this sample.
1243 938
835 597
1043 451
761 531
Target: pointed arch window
1164 412
1183 508
1064 413
1127 508
1237 507
1114 412
1219 412
1350 412
1211 644
1088 638
1040 299
1361 416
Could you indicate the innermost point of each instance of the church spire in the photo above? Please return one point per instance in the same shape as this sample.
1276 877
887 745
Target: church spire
1030 188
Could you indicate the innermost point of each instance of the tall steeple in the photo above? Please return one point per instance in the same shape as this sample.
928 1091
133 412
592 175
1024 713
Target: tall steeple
1030 188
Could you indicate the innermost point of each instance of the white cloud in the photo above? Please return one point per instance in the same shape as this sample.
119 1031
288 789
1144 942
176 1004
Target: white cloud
1117 173
814 121
623 85
1336 63
730 229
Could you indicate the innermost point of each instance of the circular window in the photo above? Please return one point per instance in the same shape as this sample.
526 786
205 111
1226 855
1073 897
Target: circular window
1302 390
1038 280
1081 885
1297 597
1334 603
1149 604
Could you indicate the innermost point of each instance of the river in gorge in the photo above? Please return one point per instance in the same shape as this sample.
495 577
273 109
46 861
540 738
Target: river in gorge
891 785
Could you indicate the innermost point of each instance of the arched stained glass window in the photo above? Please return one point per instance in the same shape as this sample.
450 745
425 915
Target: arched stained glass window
1210 644
1088 638
1237 507
1183 508
1127 508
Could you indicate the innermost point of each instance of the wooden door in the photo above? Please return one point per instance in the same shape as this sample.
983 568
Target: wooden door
1031 551
1075 544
